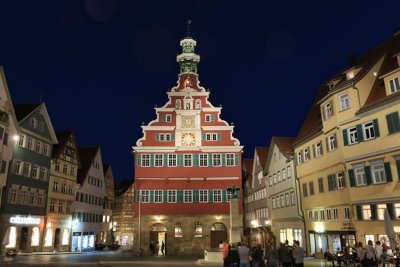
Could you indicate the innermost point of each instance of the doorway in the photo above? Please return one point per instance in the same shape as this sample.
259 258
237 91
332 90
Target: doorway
218 233
57 239
23 241
158 235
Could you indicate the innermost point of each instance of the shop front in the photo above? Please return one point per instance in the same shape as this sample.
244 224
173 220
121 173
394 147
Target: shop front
83 241
333 240
22 233
57 233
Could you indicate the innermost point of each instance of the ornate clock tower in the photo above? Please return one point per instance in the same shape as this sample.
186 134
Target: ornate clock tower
185 161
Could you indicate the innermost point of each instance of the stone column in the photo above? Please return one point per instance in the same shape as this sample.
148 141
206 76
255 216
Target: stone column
235 221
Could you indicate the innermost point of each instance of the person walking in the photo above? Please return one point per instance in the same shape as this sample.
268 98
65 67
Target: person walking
284 255
225 250
298 254
244 253
370 254
157 248
272 257
162 247
360 255
233 256
256 255
378 253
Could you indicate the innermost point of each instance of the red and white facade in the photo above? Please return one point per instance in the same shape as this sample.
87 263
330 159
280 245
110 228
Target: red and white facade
184 162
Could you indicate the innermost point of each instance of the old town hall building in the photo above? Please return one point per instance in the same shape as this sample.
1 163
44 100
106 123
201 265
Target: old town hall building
185 161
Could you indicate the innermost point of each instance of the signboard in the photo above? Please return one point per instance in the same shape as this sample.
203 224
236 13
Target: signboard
25 220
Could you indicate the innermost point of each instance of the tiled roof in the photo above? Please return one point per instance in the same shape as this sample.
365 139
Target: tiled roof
23 110
284 144
248 166
262 153
86 156
313 122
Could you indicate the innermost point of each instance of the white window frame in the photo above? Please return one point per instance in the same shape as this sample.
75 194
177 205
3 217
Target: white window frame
340 182
344 102
328 110
187 160
352 135
359 174
332 144
158 160
378 171
369 130
394 85
145 196
299 157
171 196
158 196
203 160
346 213
145 160
208 117
335 214
172 160
203 196
217 195
318 149
187 196
216 160
230 159
168 118
380 211
366 212
306 154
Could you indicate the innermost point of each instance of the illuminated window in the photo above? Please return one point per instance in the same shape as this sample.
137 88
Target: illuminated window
12 237
366 209
368 238
381 211
394 85
178 230
91 241
48 240
65 237
85 241
35 237
198 230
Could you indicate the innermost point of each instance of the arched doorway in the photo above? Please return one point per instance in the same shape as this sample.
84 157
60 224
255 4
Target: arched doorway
158 235
218 233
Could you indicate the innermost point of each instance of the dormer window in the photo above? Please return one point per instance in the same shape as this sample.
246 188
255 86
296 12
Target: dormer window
328 110
350 75
33 123
394 85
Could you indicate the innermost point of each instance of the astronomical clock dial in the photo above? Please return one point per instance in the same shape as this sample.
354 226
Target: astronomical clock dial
187 122
188 139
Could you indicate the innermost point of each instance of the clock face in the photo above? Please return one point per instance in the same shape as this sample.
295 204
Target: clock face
188 139
187 121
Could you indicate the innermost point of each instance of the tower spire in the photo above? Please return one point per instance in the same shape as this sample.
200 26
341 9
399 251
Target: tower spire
188 59
188 29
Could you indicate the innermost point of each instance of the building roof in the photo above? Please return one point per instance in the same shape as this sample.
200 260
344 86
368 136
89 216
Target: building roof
312 124
62 138
248 167
23 110
86 156
122 187
284 144
262 153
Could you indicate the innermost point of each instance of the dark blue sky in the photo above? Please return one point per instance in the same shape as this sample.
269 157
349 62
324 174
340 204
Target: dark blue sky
101 66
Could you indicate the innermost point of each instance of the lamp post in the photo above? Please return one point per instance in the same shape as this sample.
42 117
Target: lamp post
234 229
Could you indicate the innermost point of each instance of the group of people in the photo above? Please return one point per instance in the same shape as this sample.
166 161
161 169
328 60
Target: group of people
155 248
368 256
243 255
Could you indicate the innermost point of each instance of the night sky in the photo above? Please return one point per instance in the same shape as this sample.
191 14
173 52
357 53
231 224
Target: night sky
102 65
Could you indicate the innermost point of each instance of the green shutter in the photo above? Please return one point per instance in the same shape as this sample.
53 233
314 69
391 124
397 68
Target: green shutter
376 127
223 159
195 195
224 197
139 160
352 178
212 117
393 122
157 137
179 196
389 207
203 136
165 195
172 137
389 122
180 159
210 161
195 160
165 159
398 169
236 159
344 179
359 212
368 176
374 214
151 160
388 172
219 138
210 196
151 195
360 133
345 137
162 117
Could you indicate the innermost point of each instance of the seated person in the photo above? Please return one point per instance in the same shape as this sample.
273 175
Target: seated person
329 256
